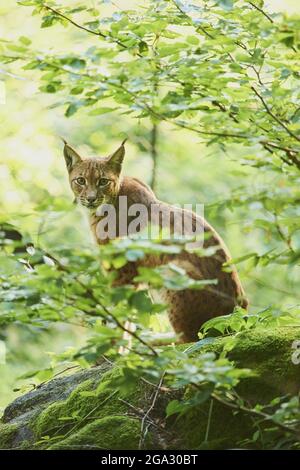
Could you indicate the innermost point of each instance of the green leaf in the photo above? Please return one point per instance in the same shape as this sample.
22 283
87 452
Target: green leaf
24 40
76 90
71 109
226 4
134 255
203 342
141 301
102 110
192 40
174 407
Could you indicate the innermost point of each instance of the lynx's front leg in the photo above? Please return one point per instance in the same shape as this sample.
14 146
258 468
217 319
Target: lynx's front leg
125 276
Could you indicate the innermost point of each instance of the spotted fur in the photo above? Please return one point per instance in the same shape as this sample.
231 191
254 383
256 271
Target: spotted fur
188 309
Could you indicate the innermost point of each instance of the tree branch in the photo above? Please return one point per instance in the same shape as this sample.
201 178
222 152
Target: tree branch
284 238
153 146
89 292
79 26
291 153
187 16
262 12
273 116
259 414
161 117
253 412
146 415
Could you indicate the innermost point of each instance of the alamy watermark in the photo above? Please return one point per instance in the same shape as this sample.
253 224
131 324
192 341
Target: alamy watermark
154 221
2 352
2 93
296 352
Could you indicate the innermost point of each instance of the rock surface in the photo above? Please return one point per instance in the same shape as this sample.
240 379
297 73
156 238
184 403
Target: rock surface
84 410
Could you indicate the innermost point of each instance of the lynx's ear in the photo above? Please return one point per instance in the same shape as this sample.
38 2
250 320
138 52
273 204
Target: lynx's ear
71 156
115 160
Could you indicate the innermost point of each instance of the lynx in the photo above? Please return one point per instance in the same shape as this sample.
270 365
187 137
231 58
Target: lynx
97 182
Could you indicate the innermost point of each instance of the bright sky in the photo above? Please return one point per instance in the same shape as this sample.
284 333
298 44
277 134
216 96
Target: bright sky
290 6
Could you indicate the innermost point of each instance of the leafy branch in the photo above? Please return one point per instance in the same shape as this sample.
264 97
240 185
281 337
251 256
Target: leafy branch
79 26
256 7
273 116
235 405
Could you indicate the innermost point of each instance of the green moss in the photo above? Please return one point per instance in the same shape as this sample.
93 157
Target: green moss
90 402
57 418
7 435
111 432
267 352
223 430
93 416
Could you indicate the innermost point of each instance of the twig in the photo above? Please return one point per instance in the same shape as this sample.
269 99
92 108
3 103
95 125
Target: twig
106 313
118 323
77 25
291 154
145 417
253 412
261 11
161 117
280 232
272 287
210 36
279 121
208 420
140 412
57 374
281 147
162 389
91 31
153 144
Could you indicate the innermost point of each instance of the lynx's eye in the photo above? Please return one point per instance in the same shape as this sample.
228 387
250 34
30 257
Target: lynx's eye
81 181
103 182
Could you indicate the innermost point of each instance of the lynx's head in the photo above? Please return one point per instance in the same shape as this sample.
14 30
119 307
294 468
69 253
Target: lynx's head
94 181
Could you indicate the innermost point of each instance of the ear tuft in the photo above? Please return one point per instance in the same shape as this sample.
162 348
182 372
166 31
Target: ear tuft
63 140
71 156
115 160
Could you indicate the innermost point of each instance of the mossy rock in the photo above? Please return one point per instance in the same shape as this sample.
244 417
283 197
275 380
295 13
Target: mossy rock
7 435
268 354
111 432
88 413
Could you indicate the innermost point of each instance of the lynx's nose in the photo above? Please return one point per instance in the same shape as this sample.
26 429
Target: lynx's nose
91 199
